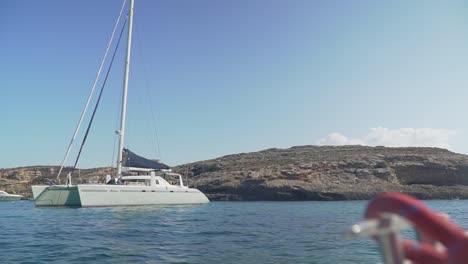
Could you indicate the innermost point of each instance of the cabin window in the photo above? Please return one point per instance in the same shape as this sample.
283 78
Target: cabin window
138 182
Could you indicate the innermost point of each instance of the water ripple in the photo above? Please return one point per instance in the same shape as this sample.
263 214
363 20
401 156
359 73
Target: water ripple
255 232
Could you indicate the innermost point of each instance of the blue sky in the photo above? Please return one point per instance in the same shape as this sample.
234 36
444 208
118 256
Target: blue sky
224 77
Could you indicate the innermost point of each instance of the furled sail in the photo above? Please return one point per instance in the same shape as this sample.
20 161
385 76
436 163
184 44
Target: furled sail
131 159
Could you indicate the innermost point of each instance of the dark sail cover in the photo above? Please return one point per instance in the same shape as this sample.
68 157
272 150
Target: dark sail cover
131 159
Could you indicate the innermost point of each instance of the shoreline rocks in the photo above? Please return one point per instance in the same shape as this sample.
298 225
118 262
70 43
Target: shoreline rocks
302 173
328 173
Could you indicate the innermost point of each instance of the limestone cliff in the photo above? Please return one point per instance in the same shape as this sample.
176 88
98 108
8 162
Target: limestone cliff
331 173
300 173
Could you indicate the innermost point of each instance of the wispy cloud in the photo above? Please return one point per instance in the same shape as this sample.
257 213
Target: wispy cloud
402 137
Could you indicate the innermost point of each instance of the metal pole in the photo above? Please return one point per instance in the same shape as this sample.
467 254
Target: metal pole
121 132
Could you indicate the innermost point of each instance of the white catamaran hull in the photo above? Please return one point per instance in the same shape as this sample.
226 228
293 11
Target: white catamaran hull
111 195
114 195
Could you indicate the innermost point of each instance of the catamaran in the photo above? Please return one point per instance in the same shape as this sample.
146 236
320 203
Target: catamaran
138 181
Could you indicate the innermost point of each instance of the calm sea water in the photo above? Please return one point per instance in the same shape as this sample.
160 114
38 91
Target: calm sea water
236 232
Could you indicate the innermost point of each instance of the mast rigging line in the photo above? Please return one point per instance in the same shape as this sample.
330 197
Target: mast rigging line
99 98
148 94
92 91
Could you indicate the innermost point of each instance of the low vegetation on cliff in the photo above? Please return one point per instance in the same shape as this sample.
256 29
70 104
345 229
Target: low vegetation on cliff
300 173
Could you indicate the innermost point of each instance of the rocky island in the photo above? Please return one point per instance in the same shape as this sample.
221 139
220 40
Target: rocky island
301 173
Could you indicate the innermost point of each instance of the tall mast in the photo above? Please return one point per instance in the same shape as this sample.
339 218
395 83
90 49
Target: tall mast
121 132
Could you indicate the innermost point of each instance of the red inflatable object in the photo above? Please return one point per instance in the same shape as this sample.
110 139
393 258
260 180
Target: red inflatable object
432 226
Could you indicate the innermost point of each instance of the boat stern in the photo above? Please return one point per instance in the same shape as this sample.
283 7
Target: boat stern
56 195
37 190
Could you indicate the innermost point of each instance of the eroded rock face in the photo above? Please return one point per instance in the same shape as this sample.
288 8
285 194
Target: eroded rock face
300 173
331 173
